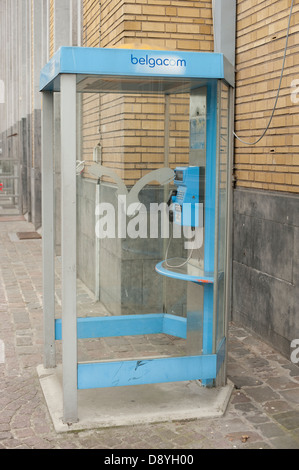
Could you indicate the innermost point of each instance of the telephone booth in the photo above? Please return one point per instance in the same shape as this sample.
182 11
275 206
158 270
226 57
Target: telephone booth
164 121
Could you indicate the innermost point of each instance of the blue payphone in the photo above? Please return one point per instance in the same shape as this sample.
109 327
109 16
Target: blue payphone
186 210
187 196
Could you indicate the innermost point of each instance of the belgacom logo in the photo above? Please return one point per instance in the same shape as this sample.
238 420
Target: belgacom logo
152 62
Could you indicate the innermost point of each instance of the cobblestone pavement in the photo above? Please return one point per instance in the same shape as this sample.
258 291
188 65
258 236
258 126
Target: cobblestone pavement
263 411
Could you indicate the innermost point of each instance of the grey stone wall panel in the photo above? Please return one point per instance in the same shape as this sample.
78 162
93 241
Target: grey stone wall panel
265 265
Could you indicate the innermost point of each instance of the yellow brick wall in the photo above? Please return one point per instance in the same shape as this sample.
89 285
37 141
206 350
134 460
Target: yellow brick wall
91 23
131 128
133 138
272 164
90 102
180 25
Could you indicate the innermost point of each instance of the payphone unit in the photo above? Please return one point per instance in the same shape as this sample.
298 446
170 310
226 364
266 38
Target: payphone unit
187 196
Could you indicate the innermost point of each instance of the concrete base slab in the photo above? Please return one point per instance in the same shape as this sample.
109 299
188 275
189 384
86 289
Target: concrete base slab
131 405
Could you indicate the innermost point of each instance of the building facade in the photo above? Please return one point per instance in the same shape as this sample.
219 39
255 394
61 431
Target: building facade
265 260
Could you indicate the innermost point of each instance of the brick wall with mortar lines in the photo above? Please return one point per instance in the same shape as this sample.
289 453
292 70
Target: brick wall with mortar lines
133 133
90 102
272 164
133 141
181 25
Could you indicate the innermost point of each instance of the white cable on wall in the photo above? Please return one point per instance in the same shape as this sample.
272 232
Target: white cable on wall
279 86
178 265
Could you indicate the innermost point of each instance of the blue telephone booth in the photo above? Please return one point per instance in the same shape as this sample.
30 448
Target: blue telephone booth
196 180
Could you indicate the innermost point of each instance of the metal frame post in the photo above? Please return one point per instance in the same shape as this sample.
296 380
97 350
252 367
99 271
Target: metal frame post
229 265
48 231
210 213
68 246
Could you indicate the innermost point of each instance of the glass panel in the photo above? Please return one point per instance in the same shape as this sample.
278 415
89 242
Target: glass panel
57 211
222 208
124 138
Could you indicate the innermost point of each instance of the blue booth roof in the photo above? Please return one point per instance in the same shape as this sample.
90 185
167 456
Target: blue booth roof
100 69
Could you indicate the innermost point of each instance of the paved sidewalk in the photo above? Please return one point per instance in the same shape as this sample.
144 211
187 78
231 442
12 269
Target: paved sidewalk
263 411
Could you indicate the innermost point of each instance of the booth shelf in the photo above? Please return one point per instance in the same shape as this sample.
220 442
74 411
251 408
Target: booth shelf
184 273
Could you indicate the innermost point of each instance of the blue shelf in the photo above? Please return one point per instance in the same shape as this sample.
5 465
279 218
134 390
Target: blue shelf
127 325
197 276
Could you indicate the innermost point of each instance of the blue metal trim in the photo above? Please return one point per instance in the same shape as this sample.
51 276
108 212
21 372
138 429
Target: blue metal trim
50 72
183 277
210 186
210 214
174 325
127 325
207 335
146 371
207 341
132 63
